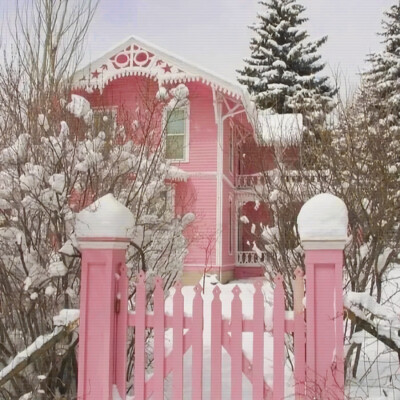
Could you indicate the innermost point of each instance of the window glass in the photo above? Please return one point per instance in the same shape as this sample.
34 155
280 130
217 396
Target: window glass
175 147
176 134
176 122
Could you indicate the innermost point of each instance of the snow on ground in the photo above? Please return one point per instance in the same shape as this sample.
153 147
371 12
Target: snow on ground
378 375
226 296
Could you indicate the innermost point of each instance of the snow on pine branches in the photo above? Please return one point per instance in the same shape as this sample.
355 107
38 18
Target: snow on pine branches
282 70
381 79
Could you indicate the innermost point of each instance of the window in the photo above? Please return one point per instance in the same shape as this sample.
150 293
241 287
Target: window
105 120
176 134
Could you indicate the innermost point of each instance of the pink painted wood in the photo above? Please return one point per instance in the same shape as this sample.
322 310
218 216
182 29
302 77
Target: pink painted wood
140 320
97 320
299 335
216 344
247 364
258 342
159 340
121 309
325 369
197 345
236 345
279 339
177 343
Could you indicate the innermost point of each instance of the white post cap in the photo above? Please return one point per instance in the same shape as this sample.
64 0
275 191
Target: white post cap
322 223
105 220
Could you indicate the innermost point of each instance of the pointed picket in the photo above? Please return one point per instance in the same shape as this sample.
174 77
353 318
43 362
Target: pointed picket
236 345
197 345
258 342
177 374
140 321
279 339
216 344
159 340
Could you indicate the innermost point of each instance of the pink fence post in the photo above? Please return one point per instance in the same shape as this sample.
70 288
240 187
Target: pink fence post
102 231
322 224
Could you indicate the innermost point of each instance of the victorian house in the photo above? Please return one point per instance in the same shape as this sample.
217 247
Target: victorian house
213 134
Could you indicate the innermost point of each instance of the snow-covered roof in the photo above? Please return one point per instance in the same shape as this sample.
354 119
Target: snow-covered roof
279 129
135 56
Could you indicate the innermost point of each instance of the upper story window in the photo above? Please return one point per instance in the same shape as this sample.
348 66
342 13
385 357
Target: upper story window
105 120
177 133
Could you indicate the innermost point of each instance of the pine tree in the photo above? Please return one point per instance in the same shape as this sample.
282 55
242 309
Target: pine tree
381 82
281 72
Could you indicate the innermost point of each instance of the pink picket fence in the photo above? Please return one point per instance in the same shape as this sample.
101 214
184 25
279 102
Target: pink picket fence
106 325
225 334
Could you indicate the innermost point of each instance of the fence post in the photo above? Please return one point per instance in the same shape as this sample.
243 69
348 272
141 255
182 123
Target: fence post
322 224
103 234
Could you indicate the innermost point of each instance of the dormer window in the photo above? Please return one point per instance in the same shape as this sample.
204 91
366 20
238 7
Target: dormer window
176 147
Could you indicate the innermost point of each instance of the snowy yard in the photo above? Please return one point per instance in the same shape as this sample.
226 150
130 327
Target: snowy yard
378 373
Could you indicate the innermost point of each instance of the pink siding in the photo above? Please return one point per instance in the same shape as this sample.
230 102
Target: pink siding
203 130
227 259
226 153
248 272
198 195
255 158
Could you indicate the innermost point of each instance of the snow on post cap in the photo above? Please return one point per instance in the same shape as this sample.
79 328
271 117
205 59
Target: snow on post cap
106 217
323 218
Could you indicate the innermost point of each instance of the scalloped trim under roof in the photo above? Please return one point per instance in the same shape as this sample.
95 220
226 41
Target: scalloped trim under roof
135 56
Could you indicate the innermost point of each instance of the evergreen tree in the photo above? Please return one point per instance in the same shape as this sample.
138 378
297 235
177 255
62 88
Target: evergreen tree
282 69
381 83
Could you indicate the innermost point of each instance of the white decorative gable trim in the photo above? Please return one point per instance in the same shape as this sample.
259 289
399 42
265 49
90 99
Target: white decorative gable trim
137 57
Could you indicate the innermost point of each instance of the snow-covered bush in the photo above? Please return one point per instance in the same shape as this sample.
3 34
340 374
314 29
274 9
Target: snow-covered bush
44 184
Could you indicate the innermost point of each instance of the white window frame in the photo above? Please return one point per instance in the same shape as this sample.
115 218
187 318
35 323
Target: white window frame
186 141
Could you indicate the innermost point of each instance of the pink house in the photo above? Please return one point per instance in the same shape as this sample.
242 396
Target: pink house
210 135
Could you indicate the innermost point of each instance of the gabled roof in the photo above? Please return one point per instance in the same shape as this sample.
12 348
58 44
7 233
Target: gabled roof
137 57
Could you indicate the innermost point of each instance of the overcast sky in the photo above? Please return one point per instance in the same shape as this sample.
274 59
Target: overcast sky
214 33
